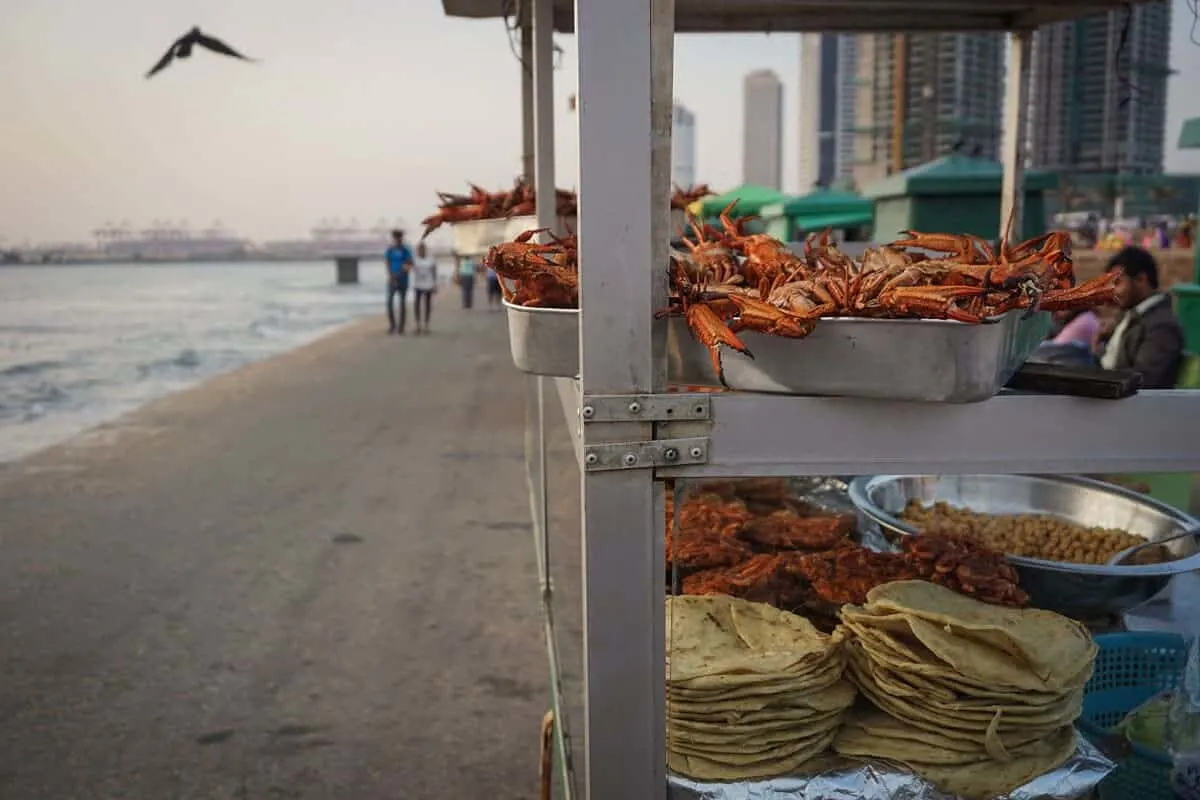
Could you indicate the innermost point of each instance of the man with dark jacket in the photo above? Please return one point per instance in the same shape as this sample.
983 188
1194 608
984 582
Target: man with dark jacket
1147 337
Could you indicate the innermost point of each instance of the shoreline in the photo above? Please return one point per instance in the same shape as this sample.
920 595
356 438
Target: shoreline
110 427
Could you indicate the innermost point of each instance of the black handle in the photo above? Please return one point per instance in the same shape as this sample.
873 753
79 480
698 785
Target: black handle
1076 381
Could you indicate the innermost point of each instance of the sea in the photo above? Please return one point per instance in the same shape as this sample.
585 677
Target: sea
81 345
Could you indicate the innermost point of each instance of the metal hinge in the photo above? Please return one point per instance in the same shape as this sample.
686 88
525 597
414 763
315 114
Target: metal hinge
644 407
645 455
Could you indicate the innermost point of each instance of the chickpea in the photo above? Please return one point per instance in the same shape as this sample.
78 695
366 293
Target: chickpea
1029 535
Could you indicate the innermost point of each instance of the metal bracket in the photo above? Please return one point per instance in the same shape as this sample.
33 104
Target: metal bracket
645 455
644 407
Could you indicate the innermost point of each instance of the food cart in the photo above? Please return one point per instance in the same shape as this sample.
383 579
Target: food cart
630 434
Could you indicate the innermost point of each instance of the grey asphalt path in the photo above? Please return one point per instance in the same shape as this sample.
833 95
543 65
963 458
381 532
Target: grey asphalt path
311 578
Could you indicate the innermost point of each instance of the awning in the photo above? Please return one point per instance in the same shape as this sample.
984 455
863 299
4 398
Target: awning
840 220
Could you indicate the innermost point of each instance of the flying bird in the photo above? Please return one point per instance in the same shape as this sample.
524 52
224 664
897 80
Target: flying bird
182 48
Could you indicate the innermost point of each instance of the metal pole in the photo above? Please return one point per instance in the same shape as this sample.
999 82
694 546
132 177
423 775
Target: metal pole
1016 94
899 99
625 82
525 21
543 113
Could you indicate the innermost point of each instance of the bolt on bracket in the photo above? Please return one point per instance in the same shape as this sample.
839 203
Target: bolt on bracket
645 455
644 407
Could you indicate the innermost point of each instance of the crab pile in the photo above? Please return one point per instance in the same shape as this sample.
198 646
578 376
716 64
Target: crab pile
546 275
730 281
478 203
682 198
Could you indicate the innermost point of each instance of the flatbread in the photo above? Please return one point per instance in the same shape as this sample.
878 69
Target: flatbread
703 768
1052 646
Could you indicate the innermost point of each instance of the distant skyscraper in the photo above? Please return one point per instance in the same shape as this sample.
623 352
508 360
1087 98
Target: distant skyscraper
828 94
762 132
683 147
1096 104
945 89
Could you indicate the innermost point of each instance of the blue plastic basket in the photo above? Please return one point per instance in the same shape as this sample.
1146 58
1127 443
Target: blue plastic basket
1130 669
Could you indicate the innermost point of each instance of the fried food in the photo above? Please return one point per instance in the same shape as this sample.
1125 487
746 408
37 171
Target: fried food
762 578
787 530
846 575
1030 535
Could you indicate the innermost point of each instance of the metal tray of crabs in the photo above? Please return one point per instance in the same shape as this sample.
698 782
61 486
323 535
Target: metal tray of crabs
894 325
899 359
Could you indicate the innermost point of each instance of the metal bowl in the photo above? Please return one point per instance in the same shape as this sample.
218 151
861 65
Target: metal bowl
1083 591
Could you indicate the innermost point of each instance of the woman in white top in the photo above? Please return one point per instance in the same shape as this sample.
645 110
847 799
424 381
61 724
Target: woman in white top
424 284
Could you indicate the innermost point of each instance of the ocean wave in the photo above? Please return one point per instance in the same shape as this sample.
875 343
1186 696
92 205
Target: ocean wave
27 368
186 359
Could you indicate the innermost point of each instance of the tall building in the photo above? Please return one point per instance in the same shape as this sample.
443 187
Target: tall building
683 147
762 131
1095 104
922 96
828 108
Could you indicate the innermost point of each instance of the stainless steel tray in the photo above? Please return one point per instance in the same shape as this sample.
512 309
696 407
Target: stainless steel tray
544 341
1083 591
475 237
901 359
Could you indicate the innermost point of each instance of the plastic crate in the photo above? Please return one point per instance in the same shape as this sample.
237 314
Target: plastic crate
1130 669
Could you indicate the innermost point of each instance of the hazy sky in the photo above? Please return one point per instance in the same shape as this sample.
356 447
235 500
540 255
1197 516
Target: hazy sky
361 108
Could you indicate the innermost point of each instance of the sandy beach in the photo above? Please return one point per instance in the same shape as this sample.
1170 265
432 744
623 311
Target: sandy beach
309 578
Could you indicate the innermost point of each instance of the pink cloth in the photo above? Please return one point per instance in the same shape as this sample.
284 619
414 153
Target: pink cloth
1080 330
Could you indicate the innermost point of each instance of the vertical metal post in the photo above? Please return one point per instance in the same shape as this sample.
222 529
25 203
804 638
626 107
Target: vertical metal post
543 112
1016 101
625 82
525 22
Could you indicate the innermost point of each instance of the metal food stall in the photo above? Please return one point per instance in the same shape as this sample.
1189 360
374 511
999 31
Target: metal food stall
630 434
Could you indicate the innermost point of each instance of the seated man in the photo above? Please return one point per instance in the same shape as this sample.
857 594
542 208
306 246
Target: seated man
1147 337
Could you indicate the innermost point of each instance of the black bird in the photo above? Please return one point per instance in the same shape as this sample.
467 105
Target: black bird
182 48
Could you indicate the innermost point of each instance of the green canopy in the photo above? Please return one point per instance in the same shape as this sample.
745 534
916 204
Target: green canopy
750 200
1189 137
826 201
824 208
954 174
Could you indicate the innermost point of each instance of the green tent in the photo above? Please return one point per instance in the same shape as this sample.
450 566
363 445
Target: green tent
954 194
750 201
824 208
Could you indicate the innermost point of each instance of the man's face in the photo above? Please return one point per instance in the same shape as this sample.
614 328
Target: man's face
1127 291
398 239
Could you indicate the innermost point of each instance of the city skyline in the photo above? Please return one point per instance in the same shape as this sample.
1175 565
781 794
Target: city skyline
271 148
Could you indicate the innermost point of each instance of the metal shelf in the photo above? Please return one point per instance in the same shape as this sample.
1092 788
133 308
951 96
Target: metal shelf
762 434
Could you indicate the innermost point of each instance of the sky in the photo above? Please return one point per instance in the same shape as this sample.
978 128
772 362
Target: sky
358 109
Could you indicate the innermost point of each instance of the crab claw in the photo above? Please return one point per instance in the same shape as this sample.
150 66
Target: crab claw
711 332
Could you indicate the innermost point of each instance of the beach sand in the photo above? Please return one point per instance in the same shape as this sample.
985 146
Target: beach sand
309 578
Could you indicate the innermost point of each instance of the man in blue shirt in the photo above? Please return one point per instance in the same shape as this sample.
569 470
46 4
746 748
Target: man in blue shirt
399 261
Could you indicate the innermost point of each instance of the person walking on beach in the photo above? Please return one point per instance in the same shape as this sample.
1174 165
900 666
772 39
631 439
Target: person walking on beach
399 259
493 288
424 283
465 278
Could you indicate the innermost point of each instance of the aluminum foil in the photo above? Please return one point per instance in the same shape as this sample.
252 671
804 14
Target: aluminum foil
845 780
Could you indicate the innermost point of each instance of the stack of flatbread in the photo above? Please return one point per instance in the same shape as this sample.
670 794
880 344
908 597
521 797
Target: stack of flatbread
978 699
752 691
